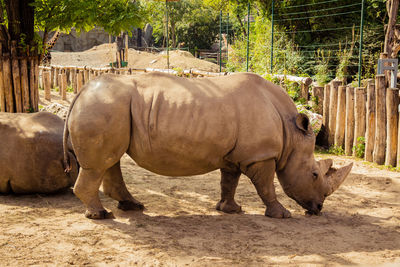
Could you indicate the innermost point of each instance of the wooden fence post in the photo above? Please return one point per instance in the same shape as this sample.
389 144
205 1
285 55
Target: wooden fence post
25 85
64 84
380 121
52 74
370 131
57 78
359 114
322 137
349 132
7 76
303 91
2 88
73 80
318 98
47 84
392 114
16 77
340 117
333 111
85 75
79 80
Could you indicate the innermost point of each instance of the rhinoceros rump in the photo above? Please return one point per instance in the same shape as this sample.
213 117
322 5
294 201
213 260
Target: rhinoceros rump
176 126
31 157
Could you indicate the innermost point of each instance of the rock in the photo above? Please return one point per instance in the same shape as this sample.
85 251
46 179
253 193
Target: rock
57 109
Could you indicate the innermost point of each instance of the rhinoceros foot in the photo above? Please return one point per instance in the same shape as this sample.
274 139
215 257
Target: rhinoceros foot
126 205
228 206
99 215
276 210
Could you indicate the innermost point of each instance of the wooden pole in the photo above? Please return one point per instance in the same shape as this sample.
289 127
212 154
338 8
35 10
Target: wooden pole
85 75
349 132
380 122
126 48
318 98
57 78
370 131
322 137
25 85
16 77
333 111
64 84
36 85
359 114
7 81
304 91
340 117
32 82
52 74
47 85
392 117
79 80
2 88
74 80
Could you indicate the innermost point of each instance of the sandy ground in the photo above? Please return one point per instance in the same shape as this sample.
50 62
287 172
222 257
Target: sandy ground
102 55
360 225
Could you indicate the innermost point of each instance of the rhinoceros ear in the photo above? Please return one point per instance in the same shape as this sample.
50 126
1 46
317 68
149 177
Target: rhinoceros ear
303 123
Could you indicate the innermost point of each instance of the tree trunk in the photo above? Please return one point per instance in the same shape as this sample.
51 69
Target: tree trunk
392 9
19 63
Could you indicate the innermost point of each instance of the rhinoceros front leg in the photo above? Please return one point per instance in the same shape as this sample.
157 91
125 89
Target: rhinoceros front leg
87 190
115 187
262 176
229 182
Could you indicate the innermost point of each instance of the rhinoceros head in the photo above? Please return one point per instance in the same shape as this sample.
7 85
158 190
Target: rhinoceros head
304 179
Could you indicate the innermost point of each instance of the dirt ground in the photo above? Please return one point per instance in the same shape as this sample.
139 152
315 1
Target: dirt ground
102 55
360 225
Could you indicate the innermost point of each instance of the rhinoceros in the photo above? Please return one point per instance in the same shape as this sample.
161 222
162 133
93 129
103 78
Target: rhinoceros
177 126
31 157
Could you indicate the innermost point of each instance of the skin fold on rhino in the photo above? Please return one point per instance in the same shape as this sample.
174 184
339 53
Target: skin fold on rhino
179 127
31 157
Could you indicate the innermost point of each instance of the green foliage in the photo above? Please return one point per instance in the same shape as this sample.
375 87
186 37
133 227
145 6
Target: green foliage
191 23
359 148
337 150
112 15
70 89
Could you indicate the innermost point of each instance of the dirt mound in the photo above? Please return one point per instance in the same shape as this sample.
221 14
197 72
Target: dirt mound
103 55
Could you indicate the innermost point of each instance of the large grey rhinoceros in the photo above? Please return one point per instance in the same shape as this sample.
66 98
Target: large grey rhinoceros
31 154
177 127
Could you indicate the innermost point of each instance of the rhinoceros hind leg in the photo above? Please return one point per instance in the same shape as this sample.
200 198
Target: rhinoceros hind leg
130 205
87 190
229 182
262 176
115 187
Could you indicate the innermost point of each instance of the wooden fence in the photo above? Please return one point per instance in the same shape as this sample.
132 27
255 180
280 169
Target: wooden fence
361 120
62 77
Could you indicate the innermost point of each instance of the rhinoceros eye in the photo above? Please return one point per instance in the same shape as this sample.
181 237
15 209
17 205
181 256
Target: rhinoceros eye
315 175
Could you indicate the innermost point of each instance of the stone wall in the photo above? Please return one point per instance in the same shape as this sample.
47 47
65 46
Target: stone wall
76 42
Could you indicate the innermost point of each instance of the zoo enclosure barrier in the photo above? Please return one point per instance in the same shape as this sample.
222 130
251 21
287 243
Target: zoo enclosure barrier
74 78
360 121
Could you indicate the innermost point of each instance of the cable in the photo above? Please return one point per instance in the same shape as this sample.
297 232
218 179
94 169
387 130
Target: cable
322 16
329 29
313 4
320 10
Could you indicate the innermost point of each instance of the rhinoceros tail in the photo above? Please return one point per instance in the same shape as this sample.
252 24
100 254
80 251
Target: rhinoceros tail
67 160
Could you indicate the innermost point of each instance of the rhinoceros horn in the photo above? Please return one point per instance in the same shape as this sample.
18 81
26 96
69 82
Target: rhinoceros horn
334 177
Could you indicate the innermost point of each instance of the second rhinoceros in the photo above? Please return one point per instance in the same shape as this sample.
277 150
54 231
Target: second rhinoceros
31 154
178 127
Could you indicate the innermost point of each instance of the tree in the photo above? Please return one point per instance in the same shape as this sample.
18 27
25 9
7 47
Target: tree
21 48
